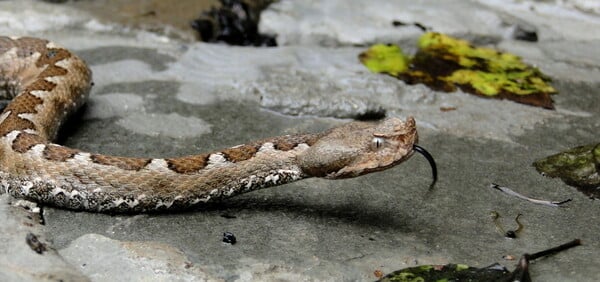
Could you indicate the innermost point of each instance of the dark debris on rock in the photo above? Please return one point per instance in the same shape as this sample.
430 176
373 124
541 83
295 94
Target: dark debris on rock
234 23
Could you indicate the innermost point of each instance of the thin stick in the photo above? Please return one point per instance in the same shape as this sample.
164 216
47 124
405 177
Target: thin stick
536 201
554 250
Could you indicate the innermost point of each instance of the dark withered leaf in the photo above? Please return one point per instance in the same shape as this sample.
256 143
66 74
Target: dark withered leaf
578 167
461 272
448 272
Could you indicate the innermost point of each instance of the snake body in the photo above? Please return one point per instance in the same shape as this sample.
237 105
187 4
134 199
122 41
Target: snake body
47 83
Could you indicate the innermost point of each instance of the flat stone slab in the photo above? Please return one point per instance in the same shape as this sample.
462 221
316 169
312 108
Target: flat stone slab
157 96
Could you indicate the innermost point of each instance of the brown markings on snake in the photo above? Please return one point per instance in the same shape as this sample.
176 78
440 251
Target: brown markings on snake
39 85
13 122
50 56
121 162
27 102
59 153
189 164
286 144
313 138
24 141
240 153
26 105
53 70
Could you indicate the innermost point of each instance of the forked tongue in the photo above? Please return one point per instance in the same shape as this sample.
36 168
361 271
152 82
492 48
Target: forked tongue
429 158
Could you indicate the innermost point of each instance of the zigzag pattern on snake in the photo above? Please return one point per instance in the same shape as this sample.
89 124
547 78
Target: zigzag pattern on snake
47 83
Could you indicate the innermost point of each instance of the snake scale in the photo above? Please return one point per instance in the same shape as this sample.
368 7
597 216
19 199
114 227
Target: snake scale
47 83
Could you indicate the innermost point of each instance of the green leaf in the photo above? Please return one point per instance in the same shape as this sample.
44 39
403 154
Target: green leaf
383 58
444 63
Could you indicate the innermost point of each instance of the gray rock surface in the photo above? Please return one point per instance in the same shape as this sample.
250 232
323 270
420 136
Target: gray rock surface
156 96
25 252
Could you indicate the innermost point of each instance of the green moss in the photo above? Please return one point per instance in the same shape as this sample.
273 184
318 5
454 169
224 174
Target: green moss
383 58
443 273
484 83
579 167
445 63
462 272
460 267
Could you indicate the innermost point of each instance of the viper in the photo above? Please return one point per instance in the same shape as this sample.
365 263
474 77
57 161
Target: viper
46 83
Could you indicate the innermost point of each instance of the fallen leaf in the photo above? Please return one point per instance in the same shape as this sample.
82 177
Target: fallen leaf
461 272
444 63
383 58
578 167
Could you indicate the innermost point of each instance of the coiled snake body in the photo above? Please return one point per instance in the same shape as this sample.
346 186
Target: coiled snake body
47 83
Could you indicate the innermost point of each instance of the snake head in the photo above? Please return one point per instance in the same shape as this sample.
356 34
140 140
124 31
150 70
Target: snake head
359 148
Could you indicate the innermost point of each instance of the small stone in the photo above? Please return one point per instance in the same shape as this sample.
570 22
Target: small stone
525 32
229 238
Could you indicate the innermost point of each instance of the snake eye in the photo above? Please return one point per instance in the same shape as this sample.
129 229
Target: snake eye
377 143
